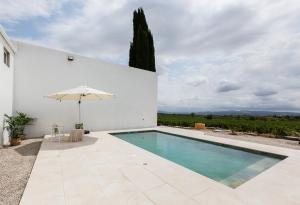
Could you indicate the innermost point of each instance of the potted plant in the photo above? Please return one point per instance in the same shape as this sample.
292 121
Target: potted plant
79 126
12 128
22 120
55 129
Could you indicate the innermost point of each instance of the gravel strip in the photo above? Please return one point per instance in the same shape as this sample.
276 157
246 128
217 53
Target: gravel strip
254 138
15 167
267 140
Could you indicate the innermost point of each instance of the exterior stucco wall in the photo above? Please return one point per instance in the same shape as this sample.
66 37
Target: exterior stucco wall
6 87
40 71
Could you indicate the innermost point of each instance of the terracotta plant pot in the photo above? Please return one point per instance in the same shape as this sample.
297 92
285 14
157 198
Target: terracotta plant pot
23 137
15 141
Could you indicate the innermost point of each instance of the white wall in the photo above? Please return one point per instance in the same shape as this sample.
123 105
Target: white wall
40 71
6 87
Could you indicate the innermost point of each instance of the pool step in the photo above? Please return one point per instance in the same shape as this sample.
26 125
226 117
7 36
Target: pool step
249 172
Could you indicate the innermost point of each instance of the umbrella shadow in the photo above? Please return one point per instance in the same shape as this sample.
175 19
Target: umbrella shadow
50 144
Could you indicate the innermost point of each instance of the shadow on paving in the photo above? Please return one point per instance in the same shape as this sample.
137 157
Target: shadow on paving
30 149
50 144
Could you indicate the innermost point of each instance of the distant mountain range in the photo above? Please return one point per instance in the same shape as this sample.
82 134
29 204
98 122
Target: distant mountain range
238 112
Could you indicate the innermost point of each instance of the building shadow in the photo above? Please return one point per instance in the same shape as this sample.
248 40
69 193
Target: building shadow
30 149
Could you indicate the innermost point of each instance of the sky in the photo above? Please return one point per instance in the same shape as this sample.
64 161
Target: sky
211 55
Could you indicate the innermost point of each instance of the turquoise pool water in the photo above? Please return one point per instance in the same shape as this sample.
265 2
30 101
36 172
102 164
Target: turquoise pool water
221 163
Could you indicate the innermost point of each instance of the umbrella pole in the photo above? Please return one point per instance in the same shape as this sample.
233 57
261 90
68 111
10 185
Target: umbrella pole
79 111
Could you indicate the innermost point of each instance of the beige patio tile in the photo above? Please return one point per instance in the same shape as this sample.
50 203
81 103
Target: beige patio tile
82 190
82 184
166 194
123 192
111 173
44 192
186 181
213 196
142 178
50 199
278 191
128 198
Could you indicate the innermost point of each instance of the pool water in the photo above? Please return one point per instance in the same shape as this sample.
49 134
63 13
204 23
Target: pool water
221 163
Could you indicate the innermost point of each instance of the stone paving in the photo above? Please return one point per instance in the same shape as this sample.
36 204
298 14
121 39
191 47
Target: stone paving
103 169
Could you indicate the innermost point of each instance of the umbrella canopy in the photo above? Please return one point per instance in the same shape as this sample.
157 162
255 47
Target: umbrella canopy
79 94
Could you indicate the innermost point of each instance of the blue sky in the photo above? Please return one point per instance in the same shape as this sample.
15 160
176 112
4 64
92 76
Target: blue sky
211 55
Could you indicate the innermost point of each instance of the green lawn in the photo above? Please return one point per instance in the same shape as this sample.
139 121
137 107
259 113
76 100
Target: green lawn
276 125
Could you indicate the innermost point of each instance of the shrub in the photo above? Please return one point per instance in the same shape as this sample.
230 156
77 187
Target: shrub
209 117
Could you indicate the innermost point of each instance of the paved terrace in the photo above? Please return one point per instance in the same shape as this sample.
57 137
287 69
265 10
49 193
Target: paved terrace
103 169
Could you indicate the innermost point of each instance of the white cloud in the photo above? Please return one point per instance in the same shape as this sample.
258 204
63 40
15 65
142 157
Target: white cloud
211 55
14 10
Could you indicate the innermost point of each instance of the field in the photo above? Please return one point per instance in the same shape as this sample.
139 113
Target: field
273 125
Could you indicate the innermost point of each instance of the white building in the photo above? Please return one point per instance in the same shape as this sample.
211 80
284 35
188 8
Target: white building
29 72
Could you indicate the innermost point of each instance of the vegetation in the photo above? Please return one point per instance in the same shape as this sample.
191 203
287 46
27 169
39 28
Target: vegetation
274 125
11 126
22 120
15 125
141 53
79 126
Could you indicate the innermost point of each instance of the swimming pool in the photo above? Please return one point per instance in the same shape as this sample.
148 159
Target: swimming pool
226 164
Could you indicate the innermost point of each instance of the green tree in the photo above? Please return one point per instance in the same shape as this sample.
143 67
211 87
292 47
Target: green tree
141 52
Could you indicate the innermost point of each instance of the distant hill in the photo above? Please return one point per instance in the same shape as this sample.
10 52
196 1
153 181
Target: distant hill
238 112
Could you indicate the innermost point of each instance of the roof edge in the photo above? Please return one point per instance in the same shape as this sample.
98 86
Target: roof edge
35 44
6 38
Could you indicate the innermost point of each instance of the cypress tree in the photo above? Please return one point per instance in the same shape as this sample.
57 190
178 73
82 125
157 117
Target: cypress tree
141 52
